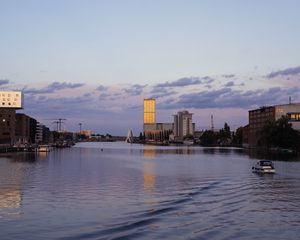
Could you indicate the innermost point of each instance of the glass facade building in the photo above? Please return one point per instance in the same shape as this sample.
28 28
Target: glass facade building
149 111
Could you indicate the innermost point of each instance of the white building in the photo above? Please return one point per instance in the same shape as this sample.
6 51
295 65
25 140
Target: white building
11 99
183 124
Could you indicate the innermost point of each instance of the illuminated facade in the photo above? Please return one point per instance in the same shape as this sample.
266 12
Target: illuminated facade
149 111
12 99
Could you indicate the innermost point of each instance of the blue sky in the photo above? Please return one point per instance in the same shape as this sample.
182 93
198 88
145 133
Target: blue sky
95 61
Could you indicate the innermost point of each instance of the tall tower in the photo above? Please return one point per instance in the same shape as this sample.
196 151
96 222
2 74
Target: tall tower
149 111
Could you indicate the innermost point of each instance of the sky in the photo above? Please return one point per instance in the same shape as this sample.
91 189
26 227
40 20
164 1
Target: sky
93 62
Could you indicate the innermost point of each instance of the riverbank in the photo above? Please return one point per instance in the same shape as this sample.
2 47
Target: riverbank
32 148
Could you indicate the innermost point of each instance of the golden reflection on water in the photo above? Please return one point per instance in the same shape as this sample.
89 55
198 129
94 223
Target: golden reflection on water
149 176
149 169
10 190
10 198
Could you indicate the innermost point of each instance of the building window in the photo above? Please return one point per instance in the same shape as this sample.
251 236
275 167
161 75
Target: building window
294 117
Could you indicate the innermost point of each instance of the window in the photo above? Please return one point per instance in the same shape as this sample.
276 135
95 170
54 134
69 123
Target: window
294 117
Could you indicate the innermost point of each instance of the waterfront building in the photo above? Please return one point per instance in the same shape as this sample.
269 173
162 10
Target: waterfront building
158 131
11 99
42 133
9 102
149 111
183 125
258 117
7 125
25 128
86 133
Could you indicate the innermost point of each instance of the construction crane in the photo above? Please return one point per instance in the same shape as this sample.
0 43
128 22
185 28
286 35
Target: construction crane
58 122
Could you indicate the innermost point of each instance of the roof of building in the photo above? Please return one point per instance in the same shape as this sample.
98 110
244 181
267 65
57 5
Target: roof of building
278 105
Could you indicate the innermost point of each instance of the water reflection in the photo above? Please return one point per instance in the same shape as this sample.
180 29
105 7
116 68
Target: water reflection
10 197
189 150
149 168
146 192
10 186
256 154
149 176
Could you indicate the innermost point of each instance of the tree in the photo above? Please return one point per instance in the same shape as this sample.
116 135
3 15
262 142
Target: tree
225 134
238 136
141 137
279 134
208 138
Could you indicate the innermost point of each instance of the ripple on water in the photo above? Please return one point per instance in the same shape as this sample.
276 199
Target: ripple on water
84 193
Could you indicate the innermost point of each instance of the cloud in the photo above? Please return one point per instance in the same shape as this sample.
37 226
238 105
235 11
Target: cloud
228 75
229 84
165 93
135 90
53 87
64 106
87 109
101 88
159 92
228 98
207 79
4 82
285 72
104 96
186 81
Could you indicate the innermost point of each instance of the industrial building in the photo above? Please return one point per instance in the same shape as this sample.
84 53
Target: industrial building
25 128
18 128
258 117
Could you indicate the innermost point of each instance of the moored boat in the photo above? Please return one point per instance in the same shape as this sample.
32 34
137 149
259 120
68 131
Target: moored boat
263 166
44 148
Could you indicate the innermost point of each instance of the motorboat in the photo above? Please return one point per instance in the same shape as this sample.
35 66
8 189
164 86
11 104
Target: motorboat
263 166
188 142
44 148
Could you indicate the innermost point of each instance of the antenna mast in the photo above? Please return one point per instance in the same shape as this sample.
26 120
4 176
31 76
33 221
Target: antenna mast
212 122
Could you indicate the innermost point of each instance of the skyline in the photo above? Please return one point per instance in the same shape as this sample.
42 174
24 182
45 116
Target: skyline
93 61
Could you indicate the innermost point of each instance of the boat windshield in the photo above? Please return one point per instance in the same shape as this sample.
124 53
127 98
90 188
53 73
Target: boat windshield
266 163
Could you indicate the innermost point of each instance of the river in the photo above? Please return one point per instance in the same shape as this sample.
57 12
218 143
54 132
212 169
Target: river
123 191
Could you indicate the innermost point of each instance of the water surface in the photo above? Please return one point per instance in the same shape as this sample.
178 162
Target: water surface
123 191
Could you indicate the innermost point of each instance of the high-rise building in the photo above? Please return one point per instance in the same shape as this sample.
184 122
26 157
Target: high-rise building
183 124
149 111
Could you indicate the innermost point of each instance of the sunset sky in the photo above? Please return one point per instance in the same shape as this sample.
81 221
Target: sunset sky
95 61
